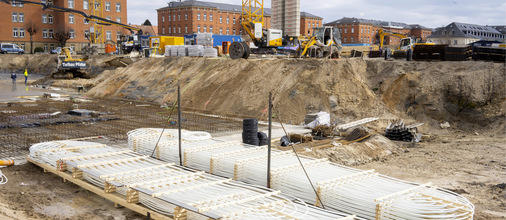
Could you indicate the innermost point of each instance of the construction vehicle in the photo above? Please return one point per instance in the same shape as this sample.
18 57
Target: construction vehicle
69 67
406 41
325 42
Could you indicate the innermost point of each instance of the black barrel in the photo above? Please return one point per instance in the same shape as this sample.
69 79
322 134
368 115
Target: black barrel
250 132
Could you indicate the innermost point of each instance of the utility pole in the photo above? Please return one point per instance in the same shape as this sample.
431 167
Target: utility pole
269 143
179 122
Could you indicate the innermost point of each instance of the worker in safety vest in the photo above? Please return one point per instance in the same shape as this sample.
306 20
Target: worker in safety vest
26 76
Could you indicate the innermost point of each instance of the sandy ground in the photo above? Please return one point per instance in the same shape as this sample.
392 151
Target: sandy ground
468 158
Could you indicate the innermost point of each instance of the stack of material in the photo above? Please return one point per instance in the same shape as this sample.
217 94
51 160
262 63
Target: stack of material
182 51
374 53
210 52
205 39
356 53
458 53
365 193
399 54
167 188
167 50
357 133
429 52
398 130
173 50
250 132
489 53
195 50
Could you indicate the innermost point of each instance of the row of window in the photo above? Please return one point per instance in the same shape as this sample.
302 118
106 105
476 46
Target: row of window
86 5
362 39
48 33
18 17
18 32
314 24
173 30
198 18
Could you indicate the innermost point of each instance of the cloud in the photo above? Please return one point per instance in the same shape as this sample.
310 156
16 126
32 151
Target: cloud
430 13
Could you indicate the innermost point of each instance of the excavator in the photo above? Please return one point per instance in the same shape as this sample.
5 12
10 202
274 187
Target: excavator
325 41
406 41
69 67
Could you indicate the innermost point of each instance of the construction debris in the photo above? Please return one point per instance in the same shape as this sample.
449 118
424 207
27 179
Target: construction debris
398 130
320 118
300 138
357 133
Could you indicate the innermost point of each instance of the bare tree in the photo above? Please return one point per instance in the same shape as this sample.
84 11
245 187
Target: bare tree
61 34
32 29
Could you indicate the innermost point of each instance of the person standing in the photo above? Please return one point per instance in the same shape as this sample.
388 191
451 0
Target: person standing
26 76
13 77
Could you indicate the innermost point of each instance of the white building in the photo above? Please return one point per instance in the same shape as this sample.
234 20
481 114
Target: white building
463 34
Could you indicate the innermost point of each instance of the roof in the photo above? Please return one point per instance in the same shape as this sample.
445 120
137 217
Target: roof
348 20
457 29
417 26
224 7
146 29
500 28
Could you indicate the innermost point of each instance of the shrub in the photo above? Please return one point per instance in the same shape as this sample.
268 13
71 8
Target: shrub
38 50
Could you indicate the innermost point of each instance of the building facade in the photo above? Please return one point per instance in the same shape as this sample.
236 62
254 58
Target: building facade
286 16
48 23
358 31
189 17
460 34
308 22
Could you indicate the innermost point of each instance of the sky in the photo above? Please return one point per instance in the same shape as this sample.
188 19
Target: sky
429 13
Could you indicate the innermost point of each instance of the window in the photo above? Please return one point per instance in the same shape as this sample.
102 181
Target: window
455 42
86 21
71 18
228 20
344 39
211 29
108 35
221 30
44 19
118 7
352 31
185 16
45 47
118 19
352 38
118 34
309 24
50 34
346 30
71 3
85 4
205 17
51 46
186 29
50 2
227 32
170 30
174 17
221 20
107 6
15 32
43 1
179 29
361 39
50 19
234 31
72 34
174 28
210 17
234 21
198 28
205 29
361 30
14 17
44 33
163 30
163 18
86 34
198 16
108 18
240 32
21 17
179 17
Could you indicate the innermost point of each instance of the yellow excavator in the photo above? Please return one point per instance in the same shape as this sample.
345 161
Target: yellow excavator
406 41
69 67
325 42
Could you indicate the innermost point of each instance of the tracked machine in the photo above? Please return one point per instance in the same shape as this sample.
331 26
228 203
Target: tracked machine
69 67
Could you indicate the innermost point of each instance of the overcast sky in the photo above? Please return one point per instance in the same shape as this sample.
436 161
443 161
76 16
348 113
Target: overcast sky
429 13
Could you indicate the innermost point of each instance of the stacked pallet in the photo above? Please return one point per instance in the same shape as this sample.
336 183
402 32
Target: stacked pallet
398 131
365 193
429 52
164 189
489 53
458 53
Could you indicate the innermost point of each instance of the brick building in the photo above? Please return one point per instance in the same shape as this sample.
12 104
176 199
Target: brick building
188 17
308 22
365 31
17 17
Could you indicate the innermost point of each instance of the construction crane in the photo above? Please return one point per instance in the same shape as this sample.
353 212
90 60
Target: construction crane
406 41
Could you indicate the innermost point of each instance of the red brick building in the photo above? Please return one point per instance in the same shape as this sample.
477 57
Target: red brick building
17 17
364 31
188 17
308 22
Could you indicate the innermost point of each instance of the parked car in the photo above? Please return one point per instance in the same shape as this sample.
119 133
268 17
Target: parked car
10 48
58 50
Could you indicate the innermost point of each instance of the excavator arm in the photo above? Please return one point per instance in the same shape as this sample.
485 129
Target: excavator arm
382 33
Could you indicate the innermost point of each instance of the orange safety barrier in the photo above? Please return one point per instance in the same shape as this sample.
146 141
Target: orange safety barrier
6 162
225 45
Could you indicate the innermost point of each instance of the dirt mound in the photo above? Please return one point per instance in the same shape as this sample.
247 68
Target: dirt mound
42 64
469 95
